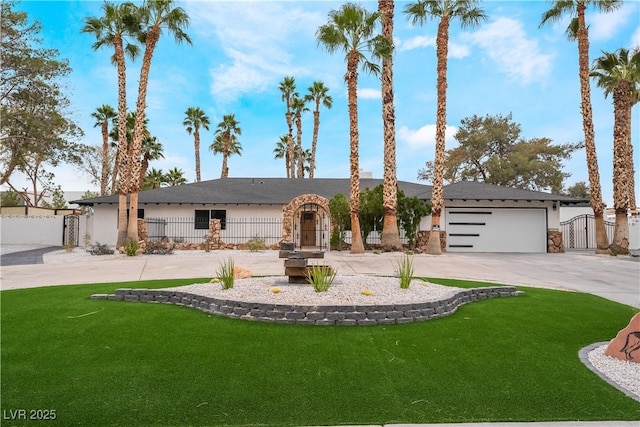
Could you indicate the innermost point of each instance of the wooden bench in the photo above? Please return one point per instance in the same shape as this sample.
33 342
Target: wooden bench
296 263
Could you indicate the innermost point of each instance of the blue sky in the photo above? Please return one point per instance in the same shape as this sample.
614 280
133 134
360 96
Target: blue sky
242 50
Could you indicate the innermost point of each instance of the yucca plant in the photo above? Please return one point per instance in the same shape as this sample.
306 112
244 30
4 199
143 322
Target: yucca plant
225 274
404 269
321 277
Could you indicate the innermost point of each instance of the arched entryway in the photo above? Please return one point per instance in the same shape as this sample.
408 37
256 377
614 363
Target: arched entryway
306 222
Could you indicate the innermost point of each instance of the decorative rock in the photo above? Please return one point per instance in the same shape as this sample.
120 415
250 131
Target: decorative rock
241 273
626 345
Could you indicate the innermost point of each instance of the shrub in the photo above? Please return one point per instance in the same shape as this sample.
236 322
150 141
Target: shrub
225 274
404 270
100 249
256 244
158 248
131 247
321 277
68 247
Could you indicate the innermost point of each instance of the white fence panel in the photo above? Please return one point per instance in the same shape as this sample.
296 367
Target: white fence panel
634 233
31 230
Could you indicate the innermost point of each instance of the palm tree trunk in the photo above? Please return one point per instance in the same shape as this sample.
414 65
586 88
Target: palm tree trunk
291 165
621 101
299 146
225 170
630 167
143 169
437 196
602 241
196 142
357 246
104 174
121 166
390 238
314 141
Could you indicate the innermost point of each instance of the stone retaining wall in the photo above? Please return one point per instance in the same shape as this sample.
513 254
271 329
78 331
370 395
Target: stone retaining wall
343 315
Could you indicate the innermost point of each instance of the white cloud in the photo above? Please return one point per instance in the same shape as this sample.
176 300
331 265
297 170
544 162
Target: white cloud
603 26
256 40
424 136
635 39
506 43
458 51
368 93
416 43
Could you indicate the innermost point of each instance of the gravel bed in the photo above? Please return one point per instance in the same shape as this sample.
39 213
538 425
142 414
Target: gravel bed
345 290
623 373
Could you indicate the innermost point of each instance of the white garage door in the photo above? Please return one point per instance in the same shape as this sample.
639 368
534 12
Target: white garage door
496 230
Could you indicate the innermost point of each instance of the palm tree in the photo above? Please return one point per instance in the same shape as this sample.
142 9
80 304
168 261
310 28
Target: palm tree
194 119
581 32
130 123
226 141
175 177
351 29
155 17
154 179
118 21
306 160
298 106
288 90
390 238
103 115
318 95
470 15
281 151
151 150
619 73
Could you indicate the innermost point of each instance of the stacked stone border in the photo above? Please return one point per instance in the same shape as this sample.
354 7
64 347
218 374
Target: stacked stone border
341 315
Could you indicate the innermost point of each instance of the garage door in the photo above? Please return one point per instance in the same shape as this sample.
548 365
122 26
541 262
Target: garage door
496 230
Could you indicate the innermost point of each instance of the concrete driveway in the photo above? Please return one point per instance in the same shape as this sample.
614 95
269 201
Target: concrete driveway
614 278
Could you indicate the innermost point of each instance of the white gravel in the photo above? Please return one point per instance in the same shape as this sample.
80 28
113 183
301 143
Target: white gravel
345 290
625 374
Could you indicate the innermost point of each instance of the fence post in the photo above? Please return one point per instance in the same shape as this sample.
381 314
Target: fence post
214 234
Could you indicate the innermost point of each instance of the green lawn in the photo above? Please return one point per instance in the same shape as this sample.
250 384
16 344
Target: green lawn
121 363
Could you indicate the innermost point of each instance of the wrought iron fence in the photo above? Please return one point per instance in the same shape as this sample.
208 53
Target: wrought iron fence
580 232
236 230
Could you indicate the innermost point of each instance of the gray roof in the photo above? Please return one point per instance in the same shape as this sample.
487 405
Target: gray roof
280 191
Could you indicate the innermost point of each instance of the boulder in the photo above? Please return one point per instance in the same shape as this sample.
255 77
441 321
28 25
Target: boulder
241 273
626 345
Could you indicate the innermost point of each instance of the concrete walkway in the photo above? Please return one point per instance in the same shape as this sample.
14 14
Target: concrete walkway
614 278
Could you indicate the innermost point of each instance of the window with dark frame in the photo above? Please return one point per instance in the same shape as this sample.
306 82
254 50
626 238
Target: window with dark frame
220 214
202 218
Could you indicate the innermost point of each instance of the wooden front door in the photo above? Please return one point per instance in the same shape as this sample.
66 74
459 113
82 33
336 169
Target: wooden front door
308 220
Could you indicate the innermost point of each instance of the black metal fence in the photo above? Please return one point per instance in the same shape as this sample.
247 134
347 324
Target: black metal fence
580 232
235 230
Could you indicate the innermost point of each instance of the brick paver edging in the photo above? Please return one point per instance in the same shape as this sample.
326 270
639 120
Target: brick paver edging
342 315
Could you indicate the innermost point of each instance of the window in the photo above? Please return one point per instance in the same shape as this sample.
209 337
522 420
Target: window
203 217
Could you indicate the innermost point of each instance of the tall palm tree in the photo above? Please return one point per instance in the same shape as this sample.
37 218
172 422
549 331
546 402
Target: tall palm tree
577 9
318 94
281 151
175 177
226 141
390 238
154 179
351 29
155 17
103 115
111 30
288 90
619 74
298 106
195 119
470 15
151 150
130 123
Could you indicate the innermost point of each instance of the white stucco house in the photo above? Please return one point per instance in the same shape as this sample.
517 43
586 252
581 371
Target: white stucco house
477 217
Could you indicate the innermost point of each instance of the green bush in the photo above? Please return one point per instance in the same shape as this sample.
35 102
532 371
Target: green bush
404 270
321 277
131 247
225 274
256 244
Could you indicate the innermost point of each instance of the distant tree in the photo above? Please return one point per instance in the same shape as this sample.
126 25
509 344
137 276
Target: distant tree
88 210
371 211
579 190
340 219
195 118
411 210
298 106
151 150
154 178
288 91
104 115
226 141
281 151
57 200
92 164
318 94
9 198
175 177
492 150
